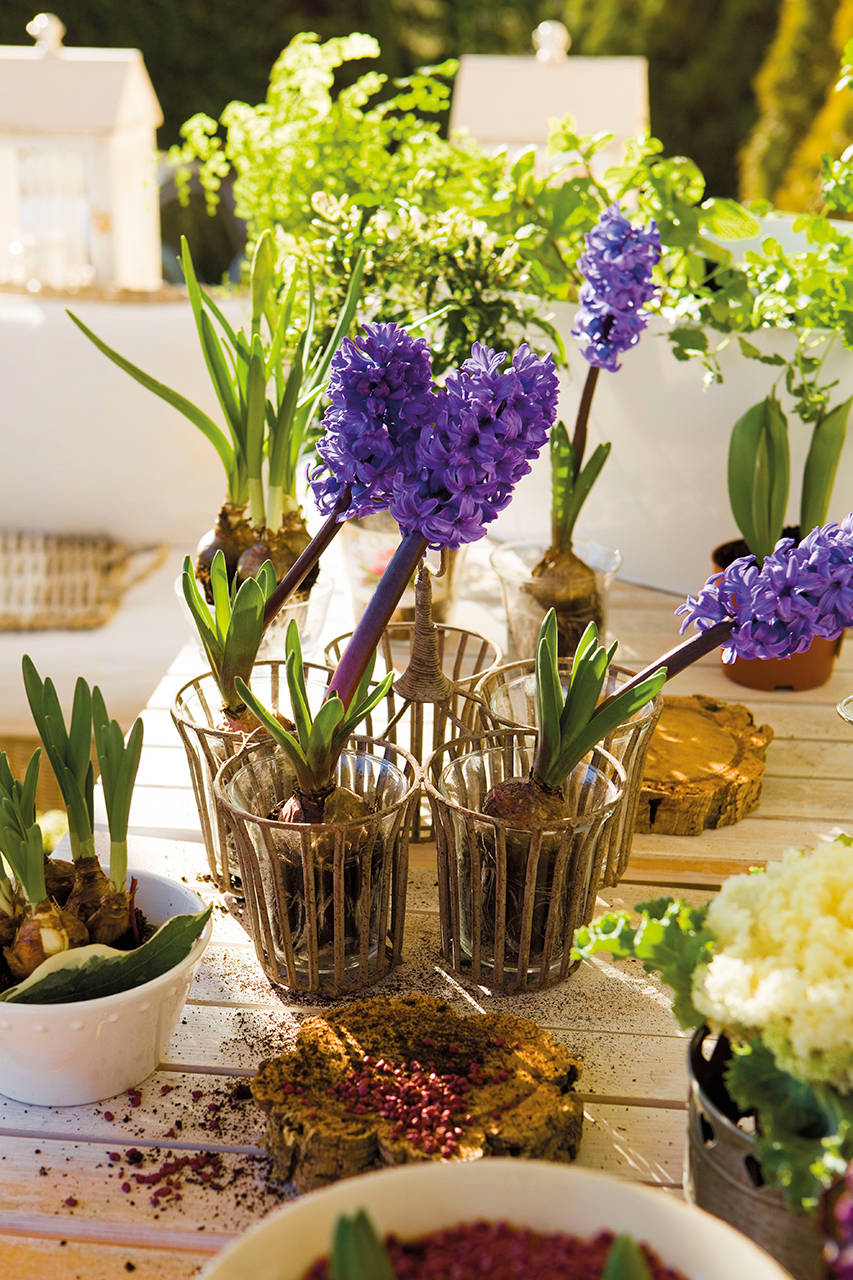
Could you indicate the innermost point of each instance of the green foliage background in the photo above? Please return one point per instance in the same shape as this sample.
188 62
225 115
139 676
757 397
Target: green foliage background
201 56
704 59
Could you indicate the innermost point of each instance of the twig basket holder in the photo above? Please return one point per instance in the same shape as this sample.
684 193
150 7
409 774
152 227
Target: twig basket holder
508 695
197 716
510 899
325 902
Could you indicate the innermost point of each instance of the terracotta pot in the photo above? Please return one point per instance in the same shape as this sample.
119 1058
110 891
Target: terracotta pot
801 671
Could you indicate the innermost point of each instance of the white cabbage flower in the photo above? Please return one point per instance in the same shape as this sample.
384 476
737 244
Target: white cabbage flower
783 962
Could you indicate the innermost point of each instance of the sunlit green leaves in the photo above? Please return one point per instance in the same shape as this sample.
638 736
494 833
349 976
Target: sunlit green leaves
230 632
68 750
570 727
317 741
759 474
357 1251
671 939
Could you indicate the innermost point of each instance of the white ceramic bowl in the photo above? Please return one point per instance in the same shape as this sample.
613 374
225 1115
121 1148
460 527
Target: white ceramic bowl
67 1054
416 1199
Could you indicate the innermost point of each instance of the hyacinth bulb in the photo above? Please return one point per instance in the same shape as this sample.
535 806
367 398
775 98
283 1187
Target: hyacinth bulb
338 805
45 932
282 547
105 910
8 928
59 879
525 801
231 535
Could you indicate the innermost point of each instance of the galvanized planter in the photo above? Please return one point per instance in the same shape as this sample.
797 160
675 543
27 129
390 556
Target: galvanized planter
508 694
723 1176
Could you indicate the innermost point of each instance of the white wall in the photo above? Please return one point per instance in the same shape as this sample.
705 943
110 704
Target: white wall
85 448
662 497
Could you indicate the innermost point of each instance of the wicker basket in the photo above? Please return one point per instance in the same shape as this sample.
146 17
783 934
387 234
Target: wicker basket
58 581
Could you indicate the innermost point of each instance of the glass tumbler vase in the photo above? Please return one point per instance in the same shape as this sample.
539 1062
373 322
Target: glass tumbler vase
512 894
508 700
208 743
325 901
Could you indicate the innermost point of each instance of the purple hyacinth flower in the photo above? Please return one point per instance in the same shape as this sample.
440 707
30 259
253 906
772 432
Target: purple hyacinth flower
617 267
381 396
492 422
801 591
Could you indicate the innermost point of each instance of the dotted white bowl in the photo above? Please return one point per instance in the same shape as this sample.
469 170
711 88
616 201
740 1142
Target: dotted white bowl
67 1054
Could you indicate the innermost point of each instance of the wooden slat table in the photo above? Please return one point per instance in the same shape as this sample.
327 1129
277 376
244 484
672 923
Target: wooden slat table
68 1206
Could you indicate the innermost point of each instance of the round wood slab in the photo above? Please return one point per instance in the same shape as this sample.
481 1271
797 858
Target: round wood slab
704 768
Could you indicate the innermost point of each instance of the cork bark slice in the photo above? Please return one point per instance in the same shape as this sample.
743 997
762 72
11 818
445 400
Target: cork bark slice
704 768
523 1106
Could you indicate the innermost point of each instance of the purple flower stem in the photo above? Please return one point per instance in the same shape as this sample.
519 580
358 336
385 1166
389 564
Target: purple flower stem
679 658
579 437
364 639
304 563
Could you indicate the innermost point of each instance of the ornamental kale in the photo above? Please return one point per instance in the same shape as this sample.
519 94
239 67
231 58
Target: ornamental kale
801 591
768 964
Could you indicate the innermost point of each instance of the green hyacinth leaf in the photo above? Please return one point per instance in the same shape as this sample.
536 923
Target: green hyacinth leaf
273 726
821 466
357 1251
626 1261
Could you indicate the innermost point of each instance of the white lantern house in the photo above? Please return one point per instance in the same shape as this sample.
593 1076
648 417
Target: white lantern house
79 201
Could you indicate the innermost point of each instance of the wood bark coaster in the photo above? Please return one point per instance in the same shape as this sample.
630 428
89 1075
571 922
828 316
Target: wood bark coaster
704 768
389 1081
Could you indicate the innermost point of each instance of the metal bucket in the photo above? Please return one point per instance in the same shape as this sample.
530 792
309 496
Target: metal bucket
723 1176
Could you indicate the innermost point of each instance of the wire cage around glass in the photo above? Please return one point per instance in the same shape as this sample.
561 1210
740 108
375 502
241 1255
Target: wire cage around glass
325 901
508 700
209 742
510 895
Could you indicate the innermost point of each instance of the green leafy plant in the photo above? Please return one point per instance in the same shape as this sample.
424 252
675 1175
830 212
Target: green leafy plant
315 746
571 482
118 762
57 914
69 752
362 169
267 412
795 1072
357 1251
759 471
570 724
231 629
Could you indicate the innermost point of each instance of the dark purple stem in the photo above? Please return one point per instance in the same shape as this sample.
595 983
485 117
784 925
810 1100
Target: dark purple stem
679 658
582 419
303 565
377 615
